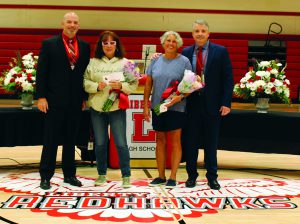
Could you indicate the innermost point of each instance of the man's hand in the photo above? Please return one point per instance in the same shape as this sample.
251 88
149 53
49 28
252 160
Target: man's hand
224 110
83 105
43 105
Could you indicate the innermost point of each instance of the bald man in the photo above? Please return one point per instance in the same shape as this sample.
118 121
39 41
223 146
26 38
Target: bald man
61 97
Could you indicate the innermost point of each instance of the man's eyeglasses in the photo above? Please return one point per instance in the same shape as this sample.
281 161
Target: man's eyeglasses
106 43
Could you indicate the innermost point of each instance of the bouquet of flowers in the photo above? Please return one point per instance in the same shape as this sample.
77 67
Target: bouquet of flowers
131 74
266 81
21 77
190 83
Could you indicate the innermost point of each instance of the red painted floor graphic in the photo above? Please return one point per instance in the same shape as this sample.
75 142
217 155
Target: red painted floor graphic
141 203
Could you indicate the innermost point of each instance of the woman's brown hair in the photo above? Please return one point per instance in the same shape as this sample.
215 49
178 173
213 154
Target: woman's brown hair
119 53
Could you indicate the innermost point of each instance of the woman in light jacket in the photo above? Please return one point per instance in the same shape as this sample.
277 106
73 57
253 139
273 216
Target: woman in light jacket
108 59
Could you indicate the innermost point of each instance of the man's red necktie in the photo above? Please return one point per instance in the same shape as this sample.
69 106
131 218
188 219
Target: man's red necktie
73 58
199 62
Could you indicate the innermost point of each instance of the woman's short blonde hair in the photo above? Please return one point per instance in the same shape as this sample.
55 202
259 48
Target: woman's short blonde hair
177 36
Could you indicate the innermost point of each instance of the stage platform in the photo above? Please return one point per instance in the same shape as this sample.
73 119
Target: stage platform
242 130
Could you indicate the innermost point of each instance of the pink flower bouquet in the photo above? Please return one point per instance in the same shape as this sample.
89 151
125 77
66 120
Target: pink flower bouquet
130 75
190 83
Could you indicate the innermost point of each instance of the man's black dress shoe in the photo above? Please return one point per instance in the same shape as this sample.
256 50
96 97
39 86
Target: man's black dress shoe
45 184
190 183
73 181
213 184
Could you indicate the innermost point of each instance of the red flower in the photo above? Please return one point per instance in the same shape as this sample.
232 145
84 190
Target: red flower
29 77
260 89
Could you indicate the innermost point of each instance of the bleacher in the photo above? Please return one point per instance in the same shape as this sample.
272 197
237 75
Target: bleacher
12 42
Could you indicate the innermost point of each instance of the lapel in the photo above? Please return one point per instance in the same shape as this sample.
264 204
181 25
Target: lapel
210 56
191 53
79 51
62 50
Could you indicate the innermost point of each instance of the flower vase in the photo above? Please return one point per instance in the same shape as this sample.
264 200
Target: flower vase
262 105
26 101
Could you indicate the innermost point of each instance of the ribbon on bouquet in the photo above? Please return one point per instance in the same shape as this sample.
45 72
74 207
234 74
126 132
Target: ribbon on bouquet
123 100
170 90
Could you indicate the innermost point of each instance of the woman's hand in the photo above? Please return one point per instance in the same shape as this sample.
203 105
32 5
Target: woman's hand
101 86
174 99
115 84
146 113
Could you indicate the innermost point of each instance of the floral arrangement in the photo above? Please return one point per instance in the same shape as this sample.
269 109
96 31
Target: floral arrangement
266 81
131 74
21 77
189 83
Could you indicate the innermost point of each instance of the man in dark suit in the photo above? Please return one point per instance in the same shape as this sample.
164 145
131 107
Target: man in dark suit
206 107
59 86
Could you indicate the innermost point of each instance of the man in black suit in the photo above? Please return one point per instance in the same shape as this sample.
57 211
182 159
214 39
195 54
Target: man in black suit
206 107
59 86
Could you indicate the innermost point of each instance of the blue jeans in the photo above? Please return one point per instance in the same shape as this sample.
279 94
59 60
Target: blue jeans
117 121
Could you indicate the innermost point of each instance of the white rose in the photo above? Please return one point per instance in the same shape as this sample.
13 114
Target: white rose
287 92
277 82
287 81
279 90
248 75
244 80
268 91
264 64
260 73
27 86
260 83
274 71
27 56
7 80
267 75
270 85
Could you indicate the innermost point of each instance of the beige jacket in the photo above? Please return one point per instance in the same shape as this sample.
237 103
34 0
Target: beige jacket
94 73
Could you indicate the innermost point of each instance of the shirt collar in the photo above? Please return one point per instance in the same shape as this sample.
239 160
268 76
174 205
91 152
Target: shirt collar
67 39
204 47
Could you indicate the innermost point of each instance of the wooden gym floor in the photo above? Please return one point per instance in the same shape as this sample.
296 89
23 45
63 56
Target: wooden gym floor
256 188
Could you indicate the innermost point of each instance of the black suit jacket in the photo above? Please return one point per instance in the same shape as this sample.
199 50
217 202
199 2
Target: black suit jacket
55 80
218 79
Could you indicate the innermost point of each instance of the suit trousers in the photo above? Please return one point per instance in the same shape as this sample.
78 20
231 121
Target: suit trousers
201 131
60 127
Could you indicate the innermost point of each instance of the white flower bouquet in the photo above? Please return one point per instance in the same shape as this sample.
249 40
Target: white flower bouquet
21 77
266 81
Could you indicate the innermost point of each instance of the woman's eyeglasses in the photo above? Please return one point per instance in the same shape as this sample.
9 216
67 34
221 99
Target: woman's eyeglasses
111 43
